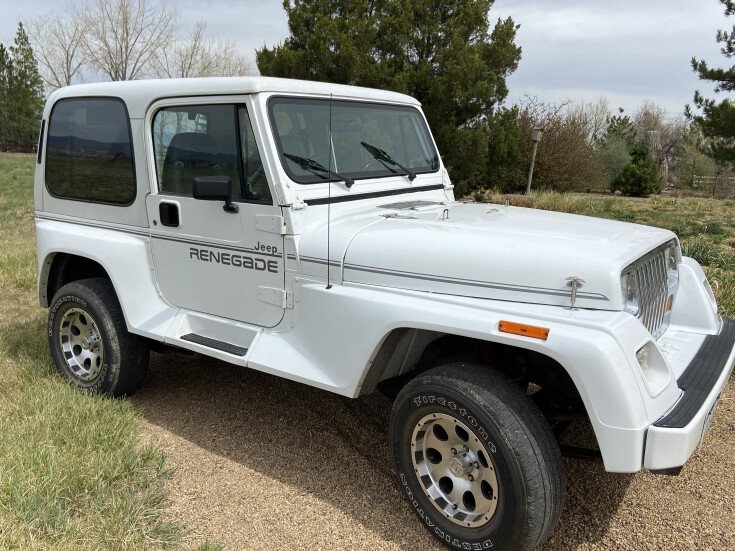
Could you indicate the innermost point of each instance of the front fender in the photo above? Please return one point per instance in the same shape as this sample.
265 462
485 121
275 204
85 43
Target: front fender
336 333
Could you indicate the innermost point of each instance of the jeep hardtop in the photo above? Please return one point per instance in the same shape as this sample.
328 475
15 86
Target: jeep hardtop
310 231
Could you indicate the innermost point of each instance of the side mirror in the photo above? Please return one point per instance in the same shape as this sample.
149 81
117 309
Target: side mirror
215 188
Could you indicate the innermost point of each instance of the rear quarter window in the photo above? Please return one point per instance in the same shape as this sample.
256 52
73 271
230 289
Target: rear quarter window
89 155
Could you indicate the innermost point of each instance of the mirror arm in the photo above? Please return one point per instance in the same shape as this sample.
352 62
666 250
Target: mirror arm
229 206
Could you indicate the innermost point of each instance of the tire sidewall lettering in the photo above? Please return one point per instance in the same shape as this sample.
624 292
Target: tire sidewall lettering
63 301
422 400
481 432
436 529
500 417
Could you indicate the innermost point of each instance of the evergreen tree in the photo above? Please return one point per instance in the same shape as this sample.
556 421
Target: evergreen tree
4 83
505 148
717 119
444 53
641 176
330 40
616 146
631 167
620 128
24 97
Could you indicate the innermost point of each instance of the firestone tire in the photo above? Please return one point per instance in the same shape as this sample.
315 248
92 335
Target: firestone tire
89 341
476 460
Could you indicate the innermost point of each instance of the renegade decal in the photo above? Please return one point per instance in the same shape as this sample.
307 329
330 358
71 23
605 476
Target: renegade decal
236 260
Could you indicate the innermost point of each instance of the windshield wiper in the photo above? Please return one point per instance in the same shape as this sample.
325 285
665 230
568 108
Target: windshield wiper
380 155
312 166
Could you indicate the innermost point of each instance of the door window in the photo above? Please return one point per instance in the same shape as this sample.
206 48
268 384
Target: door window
208 140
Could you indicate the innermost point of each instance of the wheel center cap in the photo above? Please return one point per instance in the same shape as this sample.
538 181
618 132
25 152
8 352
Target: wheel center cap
90 343
461 465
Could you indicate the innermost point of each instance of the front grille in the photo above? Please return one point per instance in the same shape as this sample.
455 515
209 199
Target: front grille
653 288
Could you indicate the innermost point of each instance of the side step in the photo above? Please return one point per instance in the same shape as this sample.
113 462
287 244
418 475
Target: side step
214 343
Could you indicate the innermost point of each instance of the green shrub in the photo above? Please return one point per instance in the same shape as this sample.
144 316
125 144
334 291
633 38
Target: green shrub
640 177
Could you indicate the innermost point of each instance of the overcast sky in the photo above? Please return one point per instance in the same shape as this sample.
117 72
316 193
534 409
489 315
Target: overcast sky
627 51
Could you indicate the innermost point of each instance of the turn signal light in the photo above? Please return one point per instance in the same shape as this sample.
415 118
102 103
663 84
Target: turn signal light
524 330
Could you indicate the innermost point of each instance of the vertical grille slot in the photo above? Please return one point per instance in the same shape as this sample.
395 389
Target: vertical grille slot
653 288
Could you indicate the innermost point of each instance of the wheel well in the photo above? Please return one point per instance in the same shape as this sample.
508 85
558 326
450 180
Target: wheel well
407 352
64 268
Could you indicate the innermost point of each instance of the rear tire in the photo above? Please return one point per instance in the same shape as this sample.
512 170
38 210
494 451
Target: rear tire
89 341
476 459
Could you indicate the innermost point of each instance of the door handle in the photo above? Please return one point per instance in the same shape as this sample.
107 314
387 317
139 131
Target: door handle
169 214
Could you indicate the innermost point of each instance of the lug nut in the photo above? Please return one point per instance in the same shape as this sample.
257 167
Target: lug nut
470 478
466 449
454 506
454 452
477 465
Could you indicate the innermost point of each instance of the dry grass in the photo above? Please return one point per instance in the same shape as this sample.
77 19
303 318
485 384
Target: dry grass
74 473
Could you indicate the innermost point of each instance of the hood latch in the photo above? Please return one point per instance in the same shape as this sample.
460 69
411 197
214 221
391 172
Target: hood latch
575 283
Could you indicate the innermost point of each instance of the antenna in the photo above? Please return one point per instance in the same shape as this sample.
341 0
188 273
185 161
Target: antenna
329 202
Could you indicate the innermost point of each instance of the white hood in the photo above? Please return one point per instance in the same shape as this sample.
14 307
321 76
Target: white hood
490 251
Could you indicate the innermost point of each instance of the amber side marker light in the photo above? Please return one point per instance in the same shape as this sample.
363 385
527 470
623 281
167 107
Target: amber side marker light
524 330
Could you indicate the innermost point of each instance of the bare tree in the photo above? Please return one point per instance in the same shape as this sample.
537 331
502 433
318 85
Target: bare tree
121 37
593 116
199 56
57 43
567 159
663 133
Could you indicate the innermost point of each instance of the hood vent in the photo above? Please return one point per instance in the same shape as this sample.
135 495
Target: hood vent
410 205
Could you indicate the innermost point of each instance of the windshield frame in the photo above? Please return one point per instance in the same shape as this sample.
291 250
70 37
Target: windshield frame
314 179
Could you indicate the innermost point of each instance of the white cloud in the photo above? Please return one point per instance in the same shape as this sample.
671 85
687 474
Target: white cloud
625 50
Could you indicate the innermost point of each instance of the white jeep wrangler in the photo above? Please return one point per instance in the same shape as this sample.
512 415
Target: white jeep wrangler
310 231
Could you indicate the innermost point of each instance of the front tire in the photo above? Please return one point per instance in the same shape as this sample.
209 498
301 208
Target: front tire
89 341
476 459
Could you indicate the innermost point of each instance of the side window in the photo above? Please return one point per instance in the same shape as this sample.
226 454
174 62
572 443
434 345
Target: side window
89 156
256 185
202 140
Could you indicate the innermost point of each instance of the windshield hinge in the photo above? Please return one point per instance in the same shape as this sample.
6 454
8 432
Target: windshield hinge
298 204
446 181
276 297
271 223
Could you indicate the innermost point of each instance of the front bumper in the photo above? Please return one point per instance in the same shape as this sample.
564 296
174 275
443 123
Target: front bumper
672 439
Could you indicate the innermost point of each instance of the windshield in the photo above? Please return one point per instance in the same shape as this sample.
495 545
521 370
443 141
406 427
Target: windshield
301 127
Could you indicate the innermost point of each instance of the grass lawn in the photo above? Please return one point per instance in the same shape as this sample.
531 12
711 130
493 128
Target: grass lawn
74 473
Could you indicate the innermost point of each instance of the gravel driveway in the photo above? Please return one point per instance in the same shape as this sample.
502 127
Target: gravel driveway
263 463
